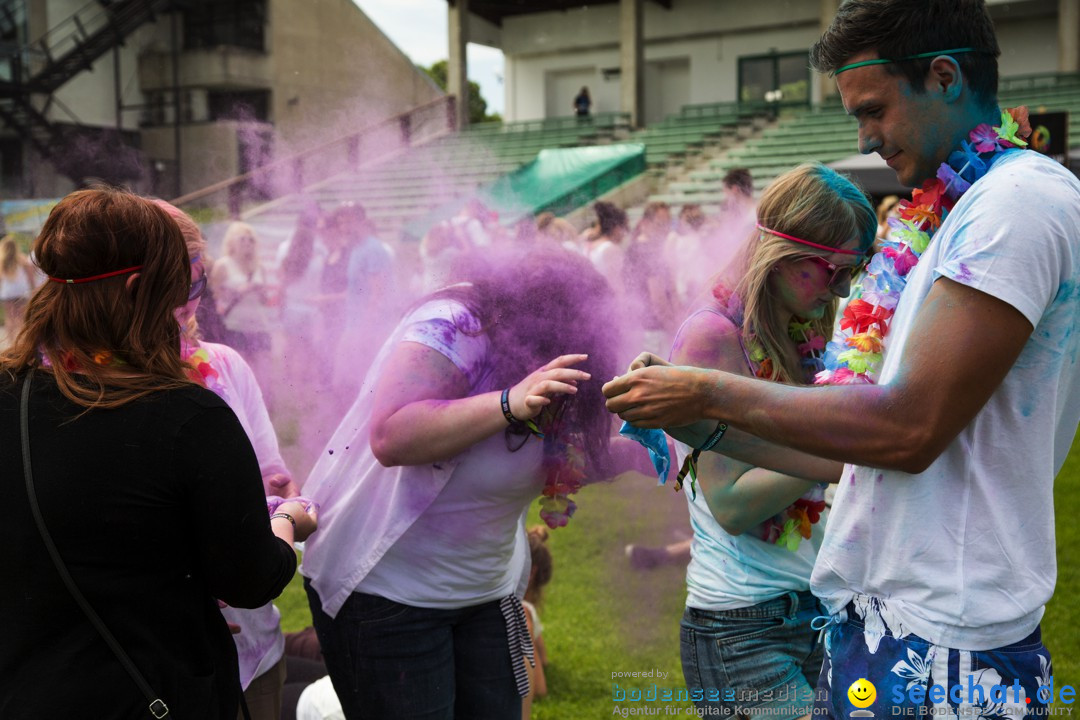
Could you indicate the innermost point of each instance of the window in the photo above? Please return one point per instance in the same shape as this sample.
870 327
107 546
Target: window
13 36
13 23
237 23
777 78
239 105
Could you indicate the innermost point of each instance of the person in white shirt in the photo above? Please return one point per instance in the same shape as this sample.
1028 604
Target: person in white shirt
17 281
260 645
604 248
939 558
242 290
416 578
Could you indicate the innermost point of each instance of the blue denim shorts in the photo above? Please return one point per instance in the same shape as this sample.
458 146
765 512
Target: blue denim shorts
912 677
749 659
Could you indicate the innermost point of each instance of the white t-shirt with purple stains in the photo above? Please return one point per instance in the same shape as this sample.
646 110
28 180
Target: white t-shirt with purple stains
259 644
442 535
963 554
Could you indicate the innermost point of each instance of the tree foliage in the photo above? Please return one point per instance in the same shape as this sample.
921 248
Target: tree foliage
477 104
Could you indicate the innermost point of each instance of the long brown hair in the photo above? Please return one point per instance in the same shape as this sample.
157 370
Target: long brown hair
106 344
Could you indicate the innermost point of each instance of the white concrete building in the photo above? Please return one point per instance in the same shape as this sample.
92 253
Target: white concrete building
679 52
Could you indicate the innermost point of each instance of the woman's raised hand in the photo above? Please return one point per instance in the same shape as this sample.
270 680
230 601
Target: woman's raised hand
558 377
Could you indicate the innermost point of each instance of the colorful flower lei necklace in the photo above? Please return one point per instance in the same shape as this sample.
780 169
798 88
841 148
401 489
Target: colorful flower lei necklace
854 356
810 347
563 466
200 370
790 526
100 357
564 474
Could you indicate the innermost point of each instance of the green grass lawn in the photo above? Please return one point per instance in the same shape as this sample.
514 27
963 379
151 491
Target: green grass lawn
600 617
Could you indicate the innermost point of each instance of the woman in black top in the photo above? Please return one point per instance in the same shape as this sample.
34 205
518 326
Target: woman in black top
146 482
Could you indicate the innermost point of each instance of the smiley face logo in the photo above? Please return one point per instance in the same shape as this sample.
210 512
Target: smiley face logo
862 693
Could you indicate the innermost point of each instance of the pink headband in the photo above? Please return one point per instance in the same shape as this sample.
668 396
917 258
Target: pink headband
842 251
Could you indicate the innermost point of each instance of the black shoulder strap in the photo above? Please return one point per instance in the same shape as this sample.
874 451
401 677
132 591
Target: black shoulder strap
157 707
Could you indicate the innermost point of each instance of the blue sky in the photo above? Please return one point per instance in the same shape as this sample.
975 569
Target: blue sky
418 27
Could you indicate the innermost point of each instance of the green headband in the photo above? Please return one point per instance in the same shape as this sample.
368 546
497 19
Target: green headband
886 61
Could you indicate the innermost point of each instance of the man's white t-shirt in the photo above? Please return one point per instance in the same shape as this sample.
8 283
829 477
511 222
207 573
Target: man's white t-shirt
963 553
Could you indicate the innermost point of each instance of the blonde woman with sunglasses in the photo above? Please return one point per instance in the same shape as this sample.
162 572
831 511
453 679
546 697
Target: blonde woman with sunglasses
746 635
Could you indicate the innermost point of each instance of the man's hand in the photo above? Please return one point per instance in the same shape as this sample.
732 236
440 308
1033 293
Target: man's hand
646 359
280 485
660 396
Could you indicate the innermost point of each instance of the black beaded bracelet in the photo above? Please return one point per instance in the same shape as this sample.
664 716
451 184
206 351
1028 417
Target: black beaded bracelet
285 516
505 402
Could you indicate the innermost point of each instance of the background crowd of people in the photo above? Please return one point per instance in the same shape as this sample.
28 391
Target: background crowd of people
537 307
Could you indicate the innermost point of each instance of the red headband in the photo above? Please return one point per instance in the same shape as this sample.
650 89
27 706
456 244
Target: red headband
842 251
102 276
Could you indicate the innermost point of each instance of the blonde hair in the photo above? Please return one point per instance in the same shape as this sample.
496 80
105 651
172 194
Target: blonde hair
559 230
9 256
813 203
231 244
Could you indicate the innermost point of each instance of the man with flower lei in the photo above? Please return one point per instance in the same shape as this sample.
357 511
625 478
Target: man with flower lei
954 391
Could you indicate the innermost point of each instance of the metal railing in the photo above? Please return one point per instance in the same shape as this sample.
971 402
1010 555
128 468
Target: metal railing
598 122
73 44
348 153
1038 81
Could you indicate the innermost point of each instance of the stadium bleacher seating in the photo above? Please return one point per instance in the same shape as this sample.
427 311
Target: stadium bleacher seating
694 127
826 134
410 184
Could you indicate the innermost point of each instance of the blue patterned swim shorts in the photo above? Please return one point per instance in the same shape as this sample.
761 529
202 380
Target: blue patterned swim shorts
913 678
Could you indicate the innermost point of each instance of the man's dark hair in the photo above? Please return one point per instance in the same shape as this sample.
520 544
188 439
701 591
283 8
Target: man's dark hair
739 179
900 28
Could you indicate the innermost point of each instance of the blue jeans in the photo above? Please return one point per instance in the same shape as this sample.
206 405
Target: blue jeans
389 660
762 656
